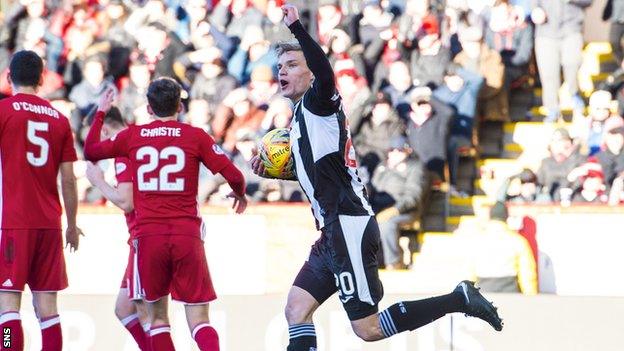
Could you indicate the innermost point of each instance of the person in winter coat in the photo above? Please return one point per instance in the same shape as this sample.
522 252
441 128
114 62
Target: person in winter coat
399 186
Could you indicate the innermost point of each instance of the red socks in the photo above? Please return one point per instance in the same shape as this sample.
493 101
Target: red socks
134 327
51 335
11 326
148 340
160 338
206 337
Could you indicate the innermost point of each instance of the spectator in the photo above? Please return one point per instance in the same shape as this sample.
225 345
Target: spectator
133 98
588 183
253 51
381 53
344 55
120 41
552 174
262 86
274 29
476 56
503 259
198 115
374 20
399 186
329 17
460 91
233 17
559 43
431 61
379 128
212 83
590 129
235 112
611 157
428 129
616 195
399 88
353 90
521 188
614 12
85 95
508 32
160 47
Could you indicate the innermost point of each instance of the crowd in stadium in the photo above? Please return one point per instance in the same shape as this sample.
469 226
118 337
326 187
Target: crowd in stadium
416 77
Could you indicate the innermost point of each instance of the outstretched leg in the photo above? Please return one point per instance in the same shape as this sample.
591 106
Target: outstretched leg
410 315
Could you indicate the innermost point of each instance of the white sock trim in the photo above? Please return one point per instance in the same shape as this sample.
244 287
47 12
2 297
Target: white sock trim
129 319
50 322
9 316
147 327
160 330
199 327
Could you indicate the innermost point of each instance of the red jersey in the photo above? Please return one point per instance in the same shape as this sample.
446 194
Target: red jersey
35 139
123 174
164 158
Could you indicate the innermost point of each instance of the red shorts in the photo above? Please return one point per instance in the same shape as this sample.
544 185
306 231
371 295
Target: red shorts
130 281
33 257
174 264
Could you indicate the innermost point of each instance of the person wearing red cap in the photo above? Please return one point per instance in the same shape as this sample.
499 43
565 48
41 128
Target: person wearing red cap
589 183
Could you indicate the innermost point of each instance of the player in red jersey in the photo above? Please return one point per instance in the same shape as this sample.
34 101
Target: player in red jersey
129 308
36 143
165 156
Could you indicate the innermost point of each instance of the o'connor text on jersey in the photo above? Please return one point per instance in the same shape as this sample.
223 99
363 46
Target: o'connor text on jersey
160 132
40 109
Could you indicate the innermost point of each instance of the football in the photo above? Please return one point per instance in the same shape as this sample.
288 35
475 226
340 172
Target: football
274 151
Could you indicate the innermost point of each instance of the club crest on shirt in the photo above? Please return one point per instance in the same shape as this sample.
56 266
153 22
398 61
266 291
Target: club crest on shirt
120 167
217 149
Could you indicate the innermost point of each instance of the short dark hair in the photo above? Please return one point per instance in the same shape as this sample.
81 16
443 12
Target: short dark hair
163 96
114 117
284 47
26 68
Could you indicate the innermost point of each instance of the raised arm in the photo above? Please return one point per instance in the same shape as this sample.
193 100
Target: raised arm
94 149
324 82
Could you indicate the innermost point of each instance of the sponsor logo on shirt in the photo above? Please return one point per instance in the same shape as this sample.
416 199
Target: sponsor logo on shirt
7 283
217 149
120 167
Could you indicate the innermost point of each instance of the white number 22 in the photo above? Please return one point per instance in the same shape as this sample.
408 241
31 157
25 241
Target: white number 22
33 138
153 157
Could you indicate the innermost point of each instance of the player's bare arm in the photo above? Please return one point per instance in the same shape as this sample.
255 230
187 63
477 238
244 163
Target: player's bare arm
120 196
70 201
95 149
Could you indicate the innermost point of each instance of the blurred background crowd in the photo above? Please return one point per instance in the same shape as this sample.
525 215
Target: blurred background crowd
422 81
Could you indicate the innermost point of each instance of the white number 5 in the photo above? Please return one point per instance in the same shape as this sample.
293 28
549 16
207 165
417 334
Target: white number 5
31 133
153 157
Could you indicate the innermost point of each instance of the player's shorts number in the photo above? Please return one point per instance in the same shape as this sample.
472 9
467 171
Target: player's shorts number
153 157
344 282
31 133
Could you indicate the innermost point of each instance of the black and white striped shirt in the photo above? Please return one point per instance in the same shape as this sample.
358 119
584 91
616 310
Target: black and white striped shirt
325 160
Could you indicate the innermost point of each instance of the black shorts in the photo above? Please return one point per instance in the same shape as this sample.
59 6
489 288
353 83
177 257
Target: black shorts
344 259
